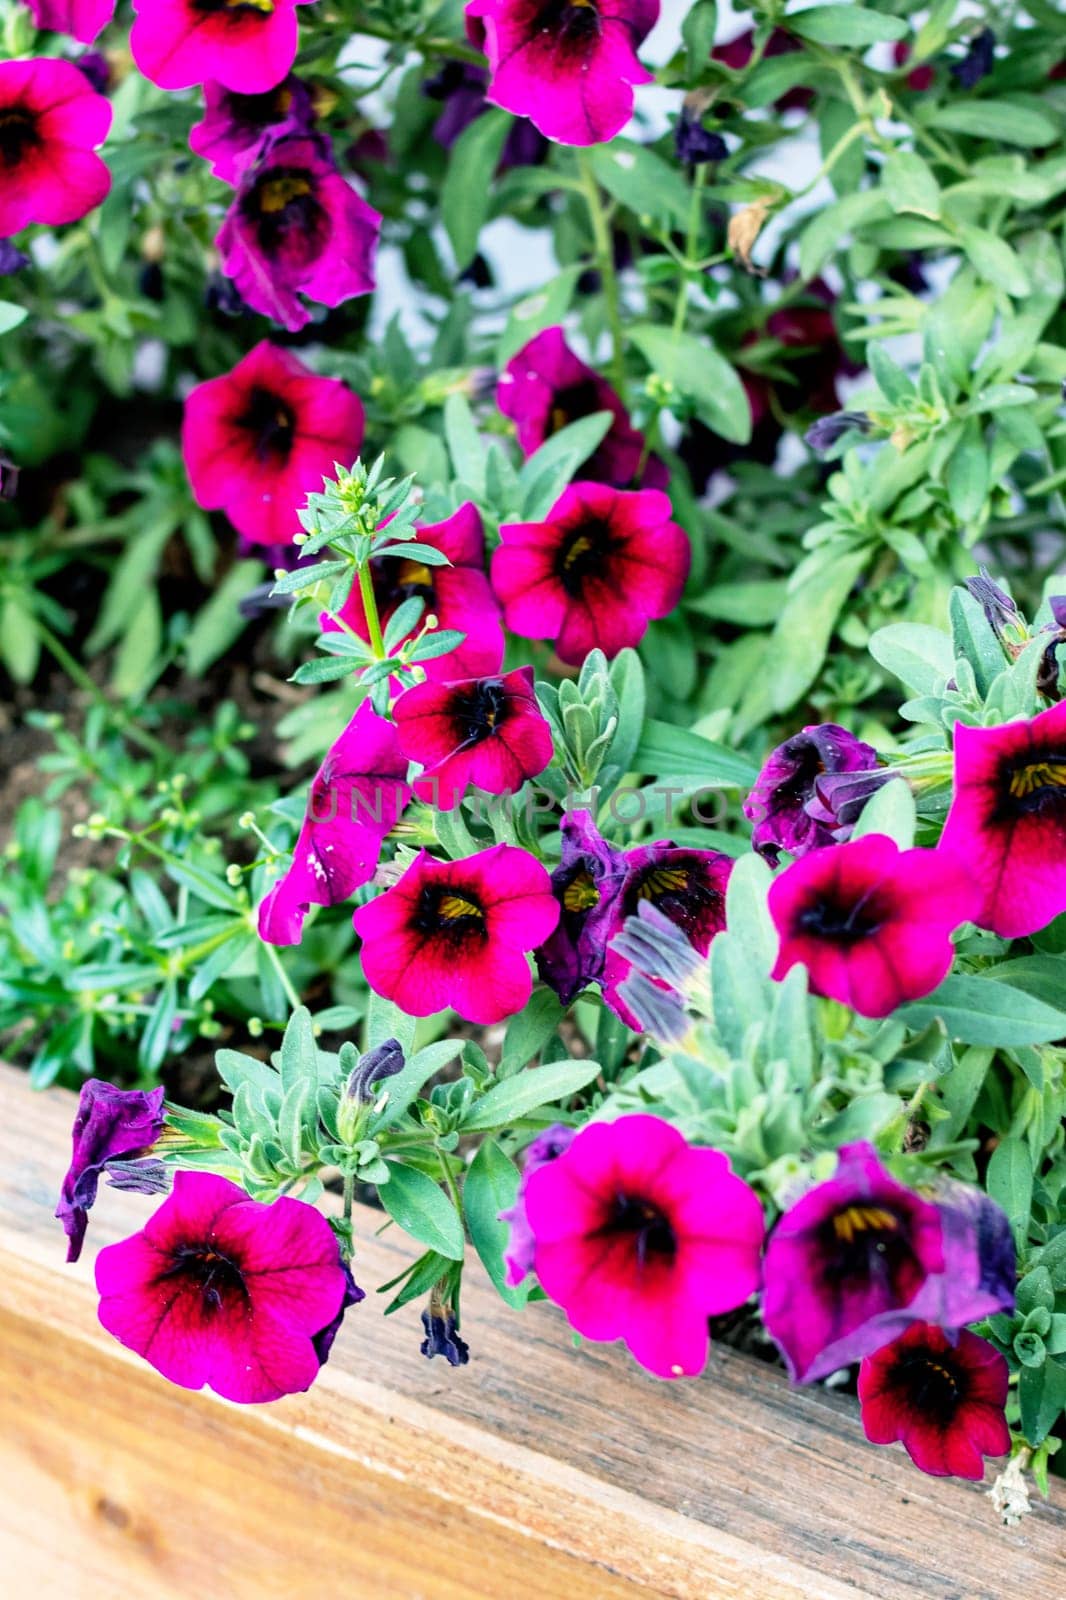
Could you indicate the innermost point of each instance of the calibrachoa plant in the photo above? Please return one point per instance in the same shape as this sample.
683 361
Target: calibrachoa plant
667 564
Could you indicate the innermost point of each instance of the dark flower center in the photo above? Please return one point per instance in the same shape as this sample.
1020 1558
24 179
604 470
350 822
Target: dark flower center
260 110
681 892
580 894
582 555
453 911
650 1228
798 787
841 921
577 400
404 579
933 1383
866 1243
216 1276
18 134
479 714
234 7
573 22
284 207
271 423
1035 786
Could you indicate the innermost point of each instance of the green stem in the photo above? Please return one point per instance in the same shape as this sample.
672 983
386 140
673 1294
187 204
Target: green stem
283 977
370 606
77 673
601 235
449 1181
695 210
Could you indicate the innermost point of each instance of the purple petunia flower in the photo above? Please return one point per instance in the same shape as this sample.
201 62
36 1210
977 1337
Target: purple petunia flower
358 795
978 61
233 125
872 923
297 227
546 386
785 787
461 86
224 1291
82 19
599 567
485 732
586 884
694 144
50 123
11 259
839 798
569 67
547 1146
111 1125
1008 820
245 47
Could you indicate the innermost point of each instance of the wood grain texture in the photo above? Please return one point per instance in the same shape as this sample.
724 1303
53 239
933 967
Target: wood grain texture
536 1469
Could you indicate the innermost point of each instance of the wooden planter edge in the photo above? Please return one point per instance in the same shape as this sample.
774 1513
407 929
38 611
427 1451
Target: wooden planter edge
536 1467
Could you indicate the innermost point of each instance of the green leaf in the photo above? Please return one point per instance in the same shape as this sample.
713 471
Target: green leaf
978 1010
464 445
517 1097
680 753
423 1210
385 1020
1000 120
845 24
805 625
827 229
697 32
641 180
467 189
298 1061
968 473
751 927
697 370
994 260
890 810
11 315
548 471
921 657
489 1187
529 1031
531 315
1009 1181
219 623
158 1030
974 639
1042 1395
910 185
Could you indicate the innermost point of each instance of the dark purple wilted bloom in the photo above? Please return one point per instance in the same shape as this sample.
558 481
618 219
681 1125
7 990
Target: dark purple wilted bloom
586 884
94 65
111 1125
842 1264
784 788
9 478
828 431
384 1061
461 86
442 1334
547 1146
323 1340
11 259
978 61
233 125
1047 678
1000 611
839 798
696 144
297 227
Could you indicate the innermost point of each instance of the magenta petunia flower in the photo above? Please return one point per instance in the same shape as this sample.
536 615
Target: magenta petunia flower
687 886
594 572
221 1290
848 1257
82 19
358 795
546 386
547 1146
112 1125
871 923
259 439
485 732
297 227
942 1396
640 1236
51 120
233 125
455 933
458 595
1008 820
570 67
786 787
586 883
245 45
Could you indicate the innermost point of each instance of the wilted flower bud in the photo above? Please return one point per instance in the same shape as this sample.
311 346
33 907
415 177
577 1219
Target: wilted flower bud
9 479
978 61
11 259
696 144
383 1062
442 1335
825 433
999 609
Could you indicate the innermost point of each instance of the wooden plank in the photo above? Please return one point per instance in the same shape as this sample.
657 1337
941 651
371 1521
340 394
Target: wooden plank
537 1468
